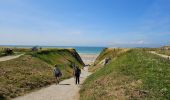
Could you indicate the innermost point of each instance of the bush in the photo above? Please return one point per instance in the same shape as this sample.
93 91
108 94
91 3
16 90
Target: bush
34 48
8 51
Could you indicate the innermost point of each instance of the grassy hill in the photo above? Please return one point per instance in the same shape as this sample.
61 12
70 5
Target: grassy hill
135 74
62 57
112 53
34 70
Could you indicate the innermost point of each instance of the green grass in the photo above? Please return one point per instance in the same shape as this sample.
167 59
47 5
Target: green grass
15 50
134 75
21 50
1 53
23 74
107 52
62 57
34 70
59 56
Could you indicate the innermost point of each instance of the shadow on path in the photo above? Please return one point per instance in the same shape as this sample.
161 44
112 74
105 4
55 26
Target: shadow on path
64 84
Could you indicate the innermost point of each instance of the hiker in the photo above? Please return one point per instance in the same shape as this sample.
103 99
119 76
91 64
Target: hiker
57 74
76 73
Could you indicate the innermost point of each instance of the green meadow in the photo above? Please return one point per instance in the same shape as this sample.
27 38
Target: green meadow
135 74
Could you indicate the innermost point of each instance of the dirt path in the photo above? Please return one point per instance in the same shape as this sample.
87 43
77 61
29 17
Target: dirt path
5 58
88 58
66 90
164 56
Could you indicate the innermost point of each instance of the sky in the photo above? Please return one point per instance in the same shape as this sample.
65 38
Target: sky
113 23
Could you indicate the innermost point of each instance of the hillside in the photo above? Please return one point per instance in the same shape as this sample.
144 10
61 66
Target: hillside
34 70
112 53
135 74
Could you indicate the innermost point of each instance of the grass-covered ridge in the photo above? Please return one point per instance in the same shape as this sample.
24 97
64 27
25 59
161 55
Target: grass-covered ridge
64 58
59 56
34 70
136 74
112 53
109 52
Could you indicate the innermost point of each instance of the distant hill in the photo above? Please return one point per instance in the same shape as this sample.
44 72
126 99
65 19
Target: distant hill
166 47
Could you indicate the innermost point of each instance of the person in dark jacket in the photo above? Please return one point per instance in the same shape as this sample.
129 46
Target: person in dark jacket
57 74
76 73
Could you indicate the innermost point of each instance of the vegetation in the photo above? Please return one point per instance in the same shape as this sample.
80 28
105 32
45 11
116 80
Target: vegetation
165 52
34 70
62 57
107 52
6 51
35 48
135 74
1 52
22 50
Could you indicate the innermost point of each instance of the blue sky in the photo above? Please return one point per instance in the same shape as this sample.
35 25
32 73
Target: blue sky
116 23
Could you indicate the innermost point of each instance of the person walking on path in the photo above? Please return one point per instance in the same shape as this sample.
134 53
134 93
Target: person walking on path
57 74
76 73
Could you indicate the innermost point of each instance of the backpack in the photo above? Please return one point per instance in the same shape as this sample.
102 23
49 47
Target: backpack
77 71
57 72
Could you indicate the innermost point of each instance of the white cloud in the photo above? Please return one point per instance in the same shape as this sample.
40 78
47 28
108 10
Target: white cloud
140 42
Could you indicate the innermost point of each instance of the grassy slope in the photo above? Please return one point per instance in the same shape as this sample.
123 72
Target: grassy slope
134 75
107 52
31 71
62 57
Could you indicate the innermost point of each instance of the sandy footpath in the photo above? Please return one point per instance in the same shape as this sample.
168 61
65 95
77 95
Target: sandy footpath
5 58
162 55
66 90
88 58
